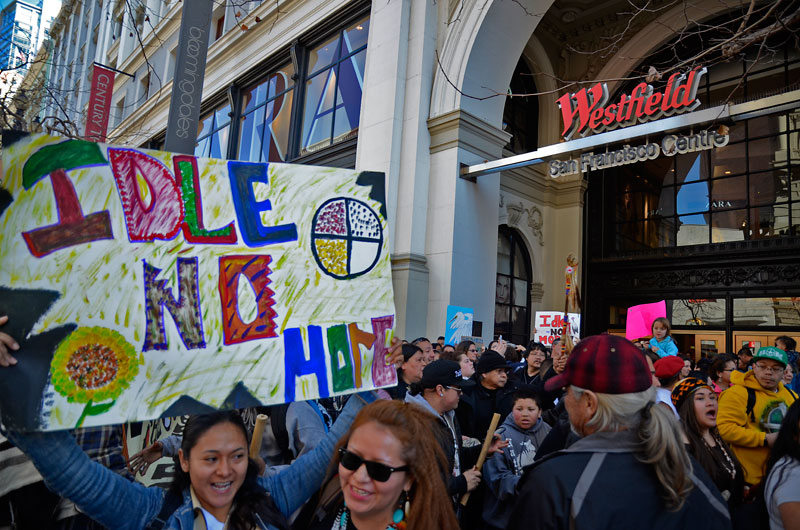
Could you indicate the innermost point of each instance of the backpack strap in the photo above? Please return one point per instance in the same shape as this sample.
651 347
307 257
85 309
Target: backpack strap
792 392
582 487
172 502
751 403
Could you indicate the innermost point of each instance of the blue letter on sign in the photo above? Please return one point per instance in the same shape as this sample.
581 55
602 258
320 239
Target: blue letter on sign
295 363
248 209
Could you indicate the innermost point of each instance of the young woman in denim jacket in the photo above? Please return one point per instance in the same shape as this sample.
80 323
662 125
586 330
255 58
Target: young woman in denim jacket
215 448
216 479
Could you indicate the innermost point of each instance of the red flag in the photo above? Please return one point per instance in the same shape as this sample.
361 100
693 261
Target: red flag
99 104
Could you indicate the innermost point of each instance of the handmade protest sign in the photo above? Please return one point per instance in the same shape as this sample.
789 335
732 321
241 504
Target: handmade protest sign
459 323
143 284
550 325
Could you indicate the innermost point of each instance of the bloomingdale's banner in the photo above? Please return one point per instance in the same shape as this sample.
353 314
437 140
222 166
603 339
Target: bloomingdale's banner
142 284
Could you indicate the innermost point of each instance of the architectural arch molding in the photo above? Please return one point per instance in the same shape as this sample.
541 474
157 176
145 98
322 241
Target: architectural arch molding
658 32
479 52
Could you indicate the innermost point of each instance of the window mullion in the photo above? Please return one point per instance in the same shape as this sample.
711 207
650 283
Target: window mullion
299 52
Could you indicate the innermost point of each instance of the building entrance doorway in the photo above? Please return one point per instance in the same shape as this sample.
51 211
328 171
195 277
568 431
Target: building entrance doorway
699 345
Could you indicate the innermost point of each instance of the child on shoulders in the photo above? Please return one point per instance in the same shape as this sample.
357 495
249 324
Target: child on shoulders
662 342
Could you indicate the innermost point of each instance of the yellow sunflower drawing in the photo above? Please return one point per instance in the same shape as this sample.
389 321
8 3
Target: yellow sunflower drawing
93 364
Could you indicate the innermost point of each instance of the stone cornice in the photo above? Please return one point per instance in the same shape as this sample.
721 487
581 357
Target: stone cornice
409 261
458 128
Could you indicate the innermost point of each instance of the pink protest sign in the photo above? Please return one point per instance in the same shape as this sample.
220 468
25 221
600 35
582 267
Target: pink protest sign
641 317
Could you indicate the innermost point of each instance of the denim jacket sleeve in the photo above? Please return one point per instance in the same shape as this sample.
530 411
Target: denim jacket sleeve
296 484
100 493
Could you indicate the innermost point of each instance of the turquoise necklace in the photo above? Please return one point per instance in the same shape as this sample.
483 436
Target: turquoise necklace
343 519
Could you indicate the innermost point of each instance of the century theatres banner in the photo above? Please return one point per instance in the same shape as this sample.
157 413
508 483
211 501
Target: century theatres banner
99 104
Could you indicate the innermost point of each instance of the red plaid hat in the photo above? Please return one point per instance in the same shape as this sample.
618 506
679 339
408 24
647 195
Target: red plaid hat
606 364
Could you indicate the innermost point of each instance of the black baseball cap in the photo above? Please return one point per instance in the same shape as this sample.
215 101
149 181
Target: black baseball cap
444 372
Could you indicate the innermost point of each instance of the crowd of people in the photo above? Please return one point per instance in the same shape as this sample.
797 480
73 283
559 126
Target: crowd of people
612 434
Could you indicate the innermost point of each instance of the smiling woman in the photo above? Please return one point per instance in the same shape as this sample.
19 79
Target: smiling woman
384 474
214 467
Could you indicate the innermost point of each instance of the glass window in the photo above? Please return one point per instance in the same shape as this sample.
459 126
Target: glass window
692 230
698 312
728 226
729 193
774 312
767 153
512 294
521 113
692 197
212 138
729 160
769 187
335 81
266 118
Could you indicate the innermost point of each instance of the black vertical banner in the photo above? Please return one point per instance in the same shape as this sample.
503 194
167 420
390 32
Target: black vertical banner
187 86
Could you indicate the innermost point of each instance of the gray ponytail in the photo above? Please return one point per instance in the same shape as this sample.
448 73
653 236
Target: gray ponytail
659 435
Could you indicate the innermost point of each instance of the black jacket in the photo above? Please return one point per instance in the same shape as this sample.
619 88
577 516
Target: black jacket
621 493
467 456
477 405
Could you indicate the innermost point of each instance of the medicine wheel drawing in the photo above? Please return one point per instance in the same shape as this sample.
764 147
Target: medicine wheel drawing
346 238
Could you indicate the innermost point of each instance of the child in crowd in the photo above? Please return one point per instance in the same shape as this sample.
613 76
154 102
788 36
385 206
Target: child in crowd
662 342
525 431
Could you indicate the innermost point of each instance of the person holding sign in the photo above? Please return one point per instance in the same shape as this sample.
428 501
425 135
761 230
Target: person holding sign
216 481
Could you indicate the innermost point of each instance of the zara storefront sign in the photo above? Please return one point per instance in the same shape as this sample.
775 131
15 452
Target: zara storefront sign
670 145
587 110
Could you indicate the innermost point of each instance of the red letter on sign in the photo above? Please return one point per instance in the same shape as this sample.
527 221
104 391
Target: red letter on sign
161 216
72 228
256 270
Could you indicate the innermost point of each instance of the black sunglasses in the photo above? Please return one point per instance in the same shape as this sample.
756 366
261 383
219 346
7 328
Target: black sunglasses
375 470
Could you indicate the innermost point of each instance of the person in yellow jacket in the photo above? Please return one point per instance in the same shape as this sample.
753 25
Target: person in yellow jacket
752 409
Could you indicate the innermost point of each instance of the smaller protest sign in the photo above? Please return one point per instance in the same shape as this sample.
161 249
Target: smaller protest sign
459 323
550 324
640 319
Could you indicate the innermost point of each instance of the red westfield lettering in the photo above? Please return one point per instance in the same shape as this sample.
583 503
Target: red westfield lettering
588 109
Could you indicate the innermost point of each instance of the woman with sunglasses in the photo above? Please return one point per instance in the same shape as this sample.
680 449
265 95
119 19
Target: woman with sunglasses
216 486
388 473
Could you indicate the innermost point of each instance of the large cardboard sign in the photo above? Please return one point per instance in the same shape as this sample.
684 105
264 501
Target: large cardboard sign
143 284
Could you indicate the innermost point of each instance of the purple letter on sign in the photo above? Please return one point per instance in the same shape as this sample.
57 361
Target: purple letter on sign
185 311
382 375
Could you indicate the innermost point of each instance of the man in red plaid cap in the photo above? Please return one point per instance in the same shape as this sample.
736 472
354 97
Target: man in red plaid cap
630 468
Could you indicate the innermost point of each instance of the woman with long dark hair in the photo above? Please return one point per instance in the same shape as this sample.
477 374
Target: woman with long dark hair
215 478
696 403
388 472
782 487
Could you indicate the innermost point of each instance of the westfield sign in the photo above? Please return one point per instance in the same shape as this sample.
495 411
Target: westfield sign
588 109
